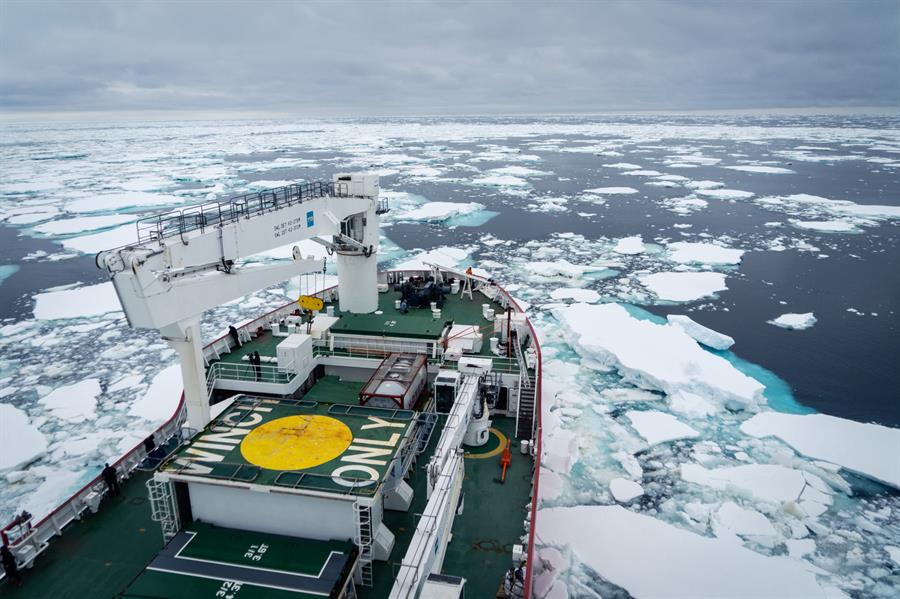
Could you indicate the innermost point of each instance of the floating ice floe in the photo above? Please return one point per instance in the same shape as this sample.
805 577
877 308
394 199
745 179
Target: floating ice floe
606 191
519 171
73 402
559 268
685 252
725 194
624 166
797 322
70 226
450 257
91 300
870 450
659 427
650 558
575 293
825 226
700 333
765 482
162 398
683 286
624 490
440 211
685 205
20 442
771 170
119 201
106 240
833 215
630 245
730 518
32 216
654 356
500 181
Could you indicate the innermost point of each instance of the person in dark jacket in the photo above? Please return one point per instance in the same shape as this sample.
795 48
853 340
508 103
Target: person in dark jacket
10 566
257 364
111 479
234 336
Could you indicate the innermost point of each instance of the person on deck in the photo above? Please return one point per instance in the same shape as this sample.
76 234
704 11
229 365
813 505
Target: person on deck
10 566
256 360
111 479
234 336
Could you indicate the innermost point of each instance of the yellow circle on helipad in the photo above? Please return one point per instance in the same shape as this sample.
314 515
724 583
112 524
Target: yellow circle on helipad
296 442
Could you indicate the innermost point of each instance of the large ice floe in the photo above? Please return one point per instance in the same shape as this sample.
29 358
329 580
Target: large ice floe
651 558
684 286
654 356
20 441
685 252
870 450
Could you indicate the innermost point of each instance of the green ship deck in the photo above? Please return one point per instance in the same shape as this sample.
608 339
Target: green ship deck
417 323
208 561
104 553
297 444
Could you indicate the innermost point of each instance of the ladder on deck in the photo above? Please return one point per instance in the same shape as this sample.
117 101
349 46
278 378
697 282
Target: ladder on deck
525 412
163 507
364 539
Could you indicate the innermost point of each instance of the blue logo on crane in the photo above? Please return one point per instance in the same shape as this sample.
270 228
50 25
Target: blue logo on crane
310 219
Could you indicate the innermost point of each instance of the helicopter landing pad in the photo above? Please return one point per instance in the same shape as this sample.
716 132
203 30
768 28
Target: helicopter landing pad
300 444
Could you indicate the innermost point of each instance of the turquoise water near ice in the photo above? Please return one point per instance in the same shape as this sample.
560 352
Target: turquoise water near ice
778 393
7 270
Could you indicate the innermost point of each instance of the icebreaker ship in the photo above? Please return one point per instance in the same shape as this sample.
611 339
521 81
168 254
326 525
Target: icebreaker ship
380 438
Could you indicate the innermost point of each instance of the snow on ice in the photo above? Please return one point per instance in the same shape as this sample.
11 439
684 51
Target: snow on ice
796 322
650 558
440 211
91 300
624 490
685 252
162 398
659 427
630 245
683 286
20 442
870 450
73 402
654 356
700 333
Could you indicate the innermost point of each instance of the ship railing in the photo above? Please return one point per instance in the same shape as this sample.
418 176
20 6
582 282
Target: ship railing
432 531
373 347
500 364
28 539
231 371
312 481
210 214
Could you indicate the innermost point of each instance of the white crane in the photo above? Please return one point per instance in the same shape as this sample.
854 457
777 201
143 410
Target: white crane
185 262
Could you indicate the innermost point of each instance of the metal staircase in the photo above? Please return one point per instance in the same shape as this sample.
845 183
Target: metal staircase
163 507
525 412
364 539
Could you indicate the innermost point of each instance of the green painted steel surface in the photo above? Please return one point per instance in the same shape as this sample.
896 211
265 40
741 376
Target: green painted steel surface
97 556
100 555
244 549
224 449
417 323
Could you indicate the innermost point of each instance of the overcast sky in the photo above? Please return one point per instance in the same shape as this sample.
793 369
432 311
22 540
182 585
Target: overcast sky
479 57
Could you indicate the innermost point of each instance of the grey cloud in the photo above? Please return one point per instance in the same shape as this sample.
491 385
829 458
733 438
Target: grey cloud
371 58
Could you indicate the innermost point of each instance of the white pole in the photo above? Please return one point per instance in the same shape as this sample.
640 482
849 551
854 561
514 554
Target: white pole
184 337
